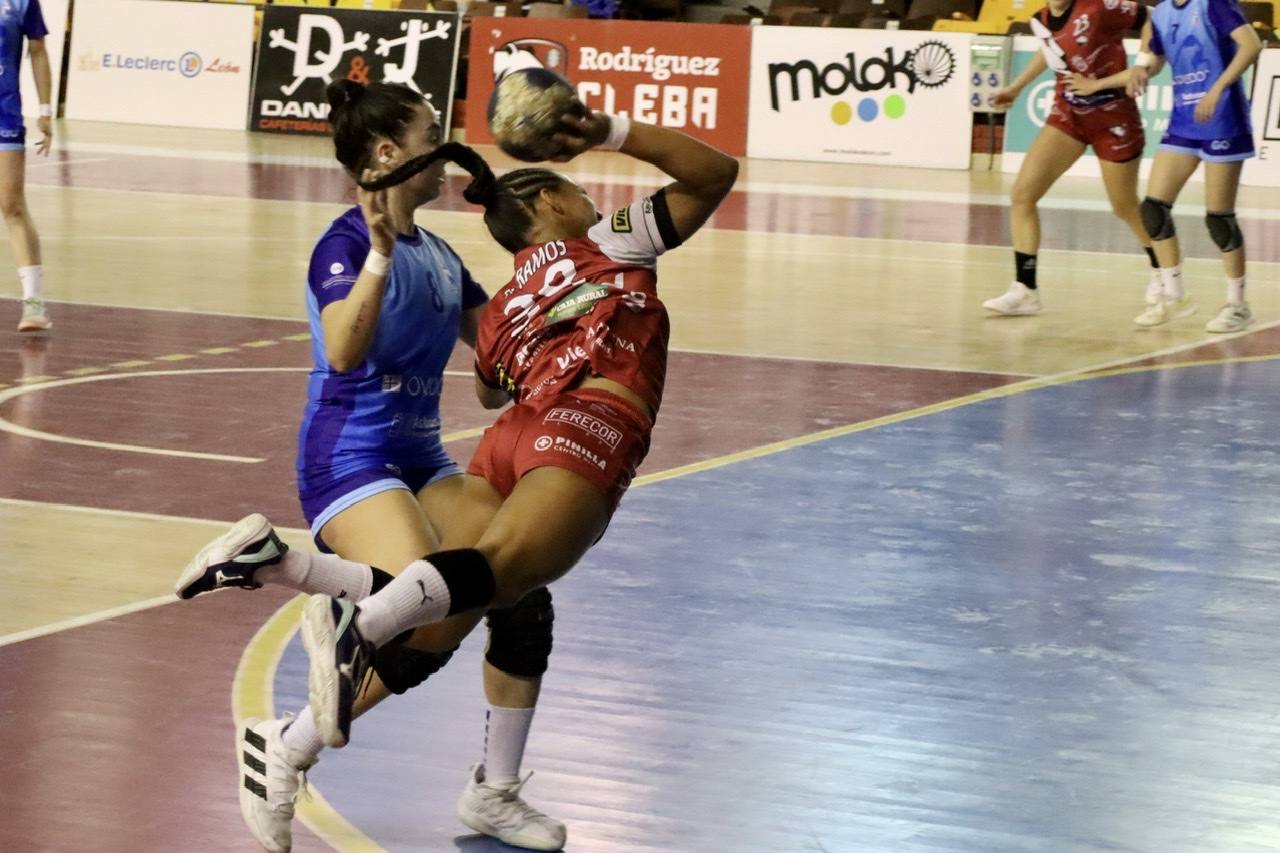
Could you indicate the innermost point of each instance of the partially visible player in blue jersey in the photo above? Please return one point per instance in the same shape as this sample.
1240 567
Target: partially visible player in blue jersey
1208 45
22 19
387 302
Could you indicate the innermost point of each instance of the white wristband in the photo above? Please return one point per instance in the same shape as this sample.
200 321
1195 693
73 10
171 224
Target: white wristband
619 127
46 111
377 263
1144 60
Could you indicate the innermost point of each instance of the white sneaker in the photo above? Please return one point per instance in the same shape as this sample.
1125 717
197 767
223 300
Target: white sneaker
1154 286
232 559
35 316
1165 310
1018 299
270 781
498 811
1232 318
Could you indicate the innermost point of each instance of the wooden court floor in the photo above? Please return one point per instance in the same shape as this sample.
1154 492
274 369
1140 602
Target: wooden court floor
897 575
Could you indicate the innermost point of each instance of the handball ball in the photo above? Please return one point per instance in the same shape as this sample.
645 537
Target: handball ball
525 111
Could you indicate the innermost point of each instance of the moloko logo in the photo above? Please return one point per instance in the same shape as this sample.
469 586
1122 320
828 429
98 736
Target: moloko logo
930 65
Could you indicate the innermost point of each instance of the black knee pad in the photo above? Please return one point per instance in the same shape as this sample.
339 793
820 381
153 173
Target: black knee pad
520 636
1224 230
1157 218
402 668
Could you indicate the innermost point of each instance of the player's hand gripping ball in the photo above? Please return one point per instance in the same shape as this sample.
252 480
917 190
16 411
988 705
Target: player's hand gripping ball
525 112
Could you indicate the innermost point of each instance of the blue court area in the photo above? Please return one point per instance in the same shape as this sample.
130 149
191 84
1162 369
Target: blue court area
1043 622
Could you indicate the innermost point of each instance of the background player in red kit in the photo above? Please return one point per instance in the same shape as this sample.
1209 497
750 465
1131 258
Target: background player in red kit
1081 38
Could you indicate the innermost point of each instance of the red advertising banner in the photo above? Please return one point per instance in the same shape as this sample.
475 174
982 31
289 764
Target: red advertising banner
691 78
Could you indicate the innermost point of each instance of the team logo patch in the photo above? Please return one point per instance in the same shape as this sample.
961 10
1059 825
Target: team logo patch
588 424
622 221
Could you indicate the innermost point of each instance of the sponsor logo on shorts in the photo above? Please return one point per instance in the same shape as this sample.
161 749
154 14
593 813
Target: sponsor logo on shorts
1220 145
587 423
571 447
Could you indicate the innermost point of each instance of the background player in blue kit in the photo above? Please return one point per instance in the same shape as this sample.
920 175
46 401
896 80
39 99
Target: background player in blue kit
22 19
387 302
1208 45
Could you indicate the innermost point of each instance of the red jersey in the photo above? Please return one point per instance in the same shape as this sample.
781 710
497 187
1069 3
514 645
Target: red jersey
589 304
1087 38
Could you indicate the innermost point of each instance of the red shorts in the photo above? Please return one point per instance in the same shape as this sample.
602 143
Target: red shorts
1114 129
587 430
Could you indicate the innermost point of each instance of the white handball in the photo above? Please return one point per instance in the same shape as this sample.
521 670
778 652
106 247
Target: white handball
525 111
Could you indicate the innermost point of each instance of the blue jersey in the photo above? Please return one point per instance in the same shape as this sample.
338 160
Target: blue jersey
1196 39
19 19
387 410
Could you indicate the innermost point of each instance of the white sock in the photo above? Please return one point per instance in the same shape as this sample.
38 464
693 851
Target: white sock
418 596
505 733
32 279
1171 281
1235 290
326 574
302 739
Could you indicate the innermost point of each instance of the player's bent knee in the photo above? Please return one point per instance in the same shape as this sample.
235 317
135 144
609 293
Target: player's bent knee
520 636
402 668
1157 218
1224 230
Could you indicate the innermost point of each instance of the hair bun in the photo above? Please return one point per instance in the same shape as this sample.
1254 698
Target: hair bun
341 92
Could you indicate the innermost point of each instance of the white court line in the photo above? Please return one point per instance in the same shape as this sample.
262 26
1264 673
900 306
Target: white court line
1030 385
44 164
113 612
646 181
10 427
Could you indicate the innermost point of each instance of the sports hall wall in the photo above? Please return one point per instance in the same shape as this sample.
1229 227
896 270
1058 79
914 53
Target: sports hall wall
892 97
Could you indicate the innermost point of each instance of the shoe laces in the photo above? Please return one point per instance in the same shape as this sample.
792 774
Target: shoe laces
33 305
282 776
506 799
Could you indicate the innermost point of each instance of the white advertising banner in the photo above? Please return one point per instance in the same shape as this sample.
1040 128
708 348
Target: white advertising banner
1264 170
860 96
55 20
154 62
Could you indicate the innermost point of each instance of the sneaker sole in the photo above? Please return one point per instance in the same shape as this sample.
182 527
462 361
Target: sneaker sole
31 328
327 691
1239 328
242 534
247 797
478 824
1019 313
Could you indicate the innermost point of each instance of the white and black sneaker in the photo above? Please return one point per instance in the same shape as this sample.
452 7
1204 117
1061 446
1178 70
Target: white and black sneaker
270 780
340 658
232 559
499 812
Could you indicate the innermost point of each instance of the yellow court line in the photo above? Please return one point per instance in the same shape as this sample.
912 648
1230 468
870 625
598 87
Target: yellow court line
253 695
264 656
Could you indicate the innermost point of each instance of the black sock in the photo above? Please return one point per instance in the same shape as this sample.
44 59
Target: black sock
468 576
380 579
1024 268
1151 255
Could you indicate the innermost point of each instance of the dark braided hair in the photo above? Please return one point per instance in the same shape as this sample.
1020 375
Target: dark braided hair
507 201
360 114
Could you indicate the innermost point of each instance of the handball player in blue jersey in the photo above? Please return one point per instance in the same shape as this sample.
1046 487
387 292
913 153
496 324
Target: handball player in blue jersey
19 20
1208 45
387 302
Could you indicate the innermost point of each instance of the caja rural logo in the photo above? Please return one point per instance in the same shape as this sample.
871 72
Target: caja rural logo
929 65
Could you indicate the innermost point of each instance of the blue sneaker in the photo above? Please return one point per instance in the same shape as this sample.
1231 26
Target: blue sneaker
340 659
232 559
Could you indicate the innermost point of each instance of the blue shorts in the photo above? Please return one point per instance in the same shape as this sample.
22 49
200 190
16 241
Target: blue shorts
13 133
323 496
1211 150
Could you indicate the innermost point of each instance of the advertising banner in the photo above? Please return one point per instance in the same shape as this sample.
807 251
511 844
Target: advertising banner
860 96
303 49
153 62
691 78
1264 170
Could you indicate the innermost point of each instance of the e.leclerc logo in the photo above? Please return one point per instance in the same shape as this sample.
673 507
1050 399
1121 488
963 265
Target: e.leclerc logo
930 65
189 64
